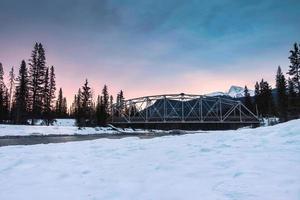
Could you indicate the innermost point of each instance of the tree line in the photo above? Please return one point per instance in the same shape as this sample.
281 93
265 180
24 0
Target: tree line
30 95
282 102
90 113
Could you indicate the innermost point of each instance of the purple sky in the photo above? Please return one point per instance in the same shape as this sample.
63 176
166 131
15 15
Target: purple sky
152 47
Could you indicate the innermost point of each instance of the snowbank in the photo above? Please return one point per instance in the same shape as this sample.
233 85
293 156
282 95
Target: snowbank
65 122
60 127
262 163
22 130
57 122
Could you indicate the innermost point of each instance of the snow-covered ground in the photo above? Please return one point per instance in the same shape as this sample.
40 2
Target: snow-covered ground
64 122
23 130
60 127
262 163
57 122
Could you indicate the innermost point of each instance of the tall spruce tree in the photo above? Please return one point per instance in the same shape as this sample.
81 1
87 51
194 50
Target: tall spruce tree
78 110
73 107
111 102
65 107
11 87
105 96
102 108
52 89
120 103
267 104
247 100
294 70
293 103
37 71
22 95
282 100
59 104
6 105
48 119
257 98
2 95
86 111
99 110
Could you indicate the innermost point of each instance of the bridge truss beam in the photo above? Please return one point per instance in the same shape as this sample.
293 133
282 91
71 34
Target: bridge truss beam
181 108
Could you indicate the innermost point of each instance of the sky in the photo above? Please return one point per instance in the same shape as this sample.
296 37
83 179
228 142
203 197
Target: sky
148 47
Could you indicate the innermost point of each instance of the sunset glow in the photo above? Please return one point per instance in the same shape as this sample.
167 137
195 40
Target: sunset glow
193 47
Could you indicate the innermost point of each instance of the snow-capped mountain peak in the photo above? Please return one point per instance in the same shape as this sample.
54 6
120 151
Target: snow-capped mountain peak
234 92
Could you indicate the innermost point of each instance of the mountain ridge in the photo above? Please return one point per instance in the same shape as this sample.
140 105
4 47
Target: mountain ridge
234 92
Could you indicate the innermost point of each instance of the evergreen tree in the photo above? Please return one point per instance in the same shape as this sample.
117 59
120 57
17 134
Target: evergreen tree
78 110
99 110
247 99
293 104
6 105
266 100
65 108
11 87
120 103
294 70
2 95
111 102
59 104
105 96
281 95
52 89
73 107
257 98
22 95
47 117
86 107
37 71
102 109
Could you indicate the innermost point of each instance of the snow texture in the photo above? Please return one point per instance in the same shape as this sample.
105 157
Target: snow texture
60 127
234 92
262 163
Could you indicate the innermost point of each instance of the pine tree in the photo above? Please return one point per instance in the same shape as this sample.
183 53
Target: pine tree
266 100
11 87
99 110
52 89
6 105
294 70
48 119
22 95
102 108
257 98
86 107
64 108
59 104
247 99
105 96
78 110
2 94
120 103
105 104
37 70
293 107
281 95
73 107
111 102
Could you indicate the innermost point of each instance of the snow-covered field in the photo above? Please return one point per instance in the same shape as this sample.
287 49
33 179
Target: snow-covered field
24 130
60 127
262 163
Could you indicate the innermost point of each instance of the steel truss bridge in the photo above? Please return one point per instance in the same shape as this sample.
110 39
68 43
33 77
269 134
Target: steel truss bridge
182 111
